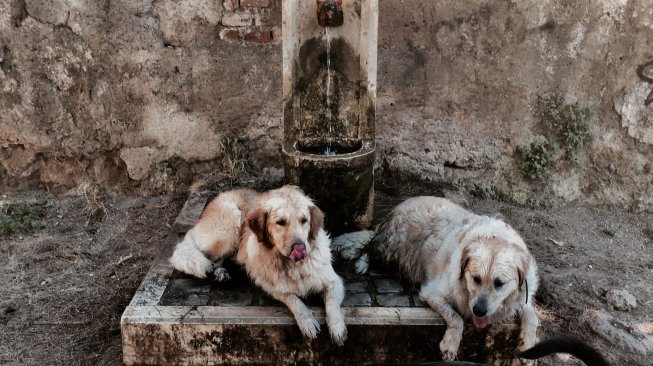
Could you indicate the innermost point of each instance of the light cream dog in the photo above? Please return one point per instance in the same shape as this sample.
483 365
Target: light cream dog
470 266
278 237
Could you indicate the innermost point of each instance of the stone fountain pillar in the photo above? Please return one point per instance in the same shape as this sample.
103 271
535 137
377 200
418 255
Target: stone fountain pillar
329 96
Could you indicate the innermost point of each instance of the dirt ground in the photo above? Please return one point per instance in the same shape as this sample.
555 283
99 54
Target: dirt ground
64 287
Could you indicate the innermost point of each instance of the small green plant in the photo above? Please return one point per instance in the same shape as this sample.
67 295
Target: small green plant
164 167
534 160
21 218
234 158
567 128
568 125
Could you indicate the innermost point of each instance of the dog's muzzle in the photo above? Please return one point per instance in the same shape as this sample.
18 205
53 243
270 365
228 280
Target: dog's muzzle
297 252
480 318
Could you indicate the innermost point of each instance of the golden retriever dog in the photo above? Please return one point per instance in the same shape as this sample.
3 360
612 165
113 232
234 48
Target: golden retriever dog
469 266
278 237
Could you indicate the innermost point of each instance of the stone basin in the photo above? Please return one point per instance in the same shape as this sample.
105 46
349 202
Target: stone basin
175 319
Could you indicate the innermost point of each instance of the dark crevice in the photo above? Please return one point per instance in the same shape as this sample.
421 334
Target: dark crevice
19 13
548 26
4 60
453 165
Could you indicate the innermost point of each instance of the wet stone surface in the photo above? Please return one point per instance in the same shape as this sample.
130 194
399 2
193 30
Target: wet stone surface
386 286
357 300
356 287
375 289
219 298
418 303
393 300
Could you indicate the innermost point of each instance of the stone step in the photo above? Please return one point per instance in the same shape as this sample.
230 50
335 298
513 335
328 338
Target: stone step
174 319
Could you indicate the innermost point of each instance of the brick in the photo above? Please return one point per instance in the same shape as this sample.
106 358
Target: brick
388 286
231 5
357 300
393 300
230 34
237 19
260 36
356 287
255 3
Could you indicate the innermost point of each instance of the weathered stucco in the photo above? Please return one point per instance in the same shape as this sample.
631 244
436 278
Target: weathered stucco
105 91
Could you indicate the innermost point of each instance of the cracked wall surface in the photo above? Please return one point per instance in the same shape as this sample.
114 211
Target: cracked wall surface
106 91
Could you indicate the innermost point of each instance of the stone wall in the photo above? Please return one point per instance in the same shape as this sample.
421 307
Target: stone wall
138 95
134 95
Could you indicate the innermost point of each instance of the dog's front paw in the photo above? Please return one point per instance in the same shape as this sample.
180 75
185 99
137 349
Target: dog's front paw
220 274
362 264
308 325
449 347
338 329
448 355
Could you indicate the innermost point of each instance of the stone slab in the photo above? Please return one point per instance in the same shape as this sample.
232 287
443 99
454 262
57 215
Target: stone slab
357 300
393 300
386 286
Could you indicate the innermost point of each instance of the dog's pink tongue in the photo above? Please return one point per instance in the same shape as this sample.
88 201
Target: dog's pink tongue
481 322
298 253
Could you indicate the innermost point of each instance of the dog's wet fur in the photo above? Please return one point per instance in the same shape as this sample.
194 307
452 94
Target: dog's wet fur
469 266
278 237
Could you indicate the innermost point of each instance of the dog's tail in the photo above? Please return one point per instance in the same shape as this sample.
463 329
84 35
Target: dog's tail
564 344
351 246
189 259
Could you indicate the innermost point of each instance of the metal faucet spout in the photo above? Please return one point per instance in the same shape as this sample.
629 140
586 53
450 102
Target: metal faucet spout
329 13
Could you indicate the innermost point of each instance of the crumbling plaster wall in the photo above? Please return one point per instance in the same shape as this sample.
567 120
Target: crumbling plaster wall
459 84
102 91
105 90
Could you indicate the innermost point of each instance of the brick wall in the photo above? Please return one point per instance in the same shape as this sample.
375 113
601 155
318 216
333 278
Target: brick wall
251 21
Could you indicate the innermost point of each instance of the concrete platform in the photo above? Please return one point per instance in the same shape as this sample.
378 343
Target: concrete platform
175 319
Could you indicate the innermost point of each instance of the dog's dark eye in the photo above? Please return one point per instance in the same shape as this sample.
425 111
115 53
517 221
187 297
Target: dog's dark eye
281 222
498 283
477 280
304 220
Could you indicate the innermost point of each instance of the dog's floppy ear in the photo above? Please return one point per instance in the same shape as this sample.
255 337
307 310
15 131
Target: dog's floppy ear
258 223
522 268
317 222
464 261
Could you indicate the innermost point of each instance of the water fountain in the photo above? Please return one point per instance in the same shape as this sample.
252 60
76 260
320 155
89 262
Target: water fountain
329 96
329 89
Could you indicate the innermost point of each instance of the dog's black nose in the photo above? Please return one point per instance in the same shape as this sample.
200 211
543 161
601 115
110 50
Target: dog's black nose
479 310
298 243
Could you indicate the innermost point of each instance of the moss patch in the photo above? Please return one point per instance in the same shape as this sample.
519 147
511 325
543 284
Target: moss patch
21 218
567 128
